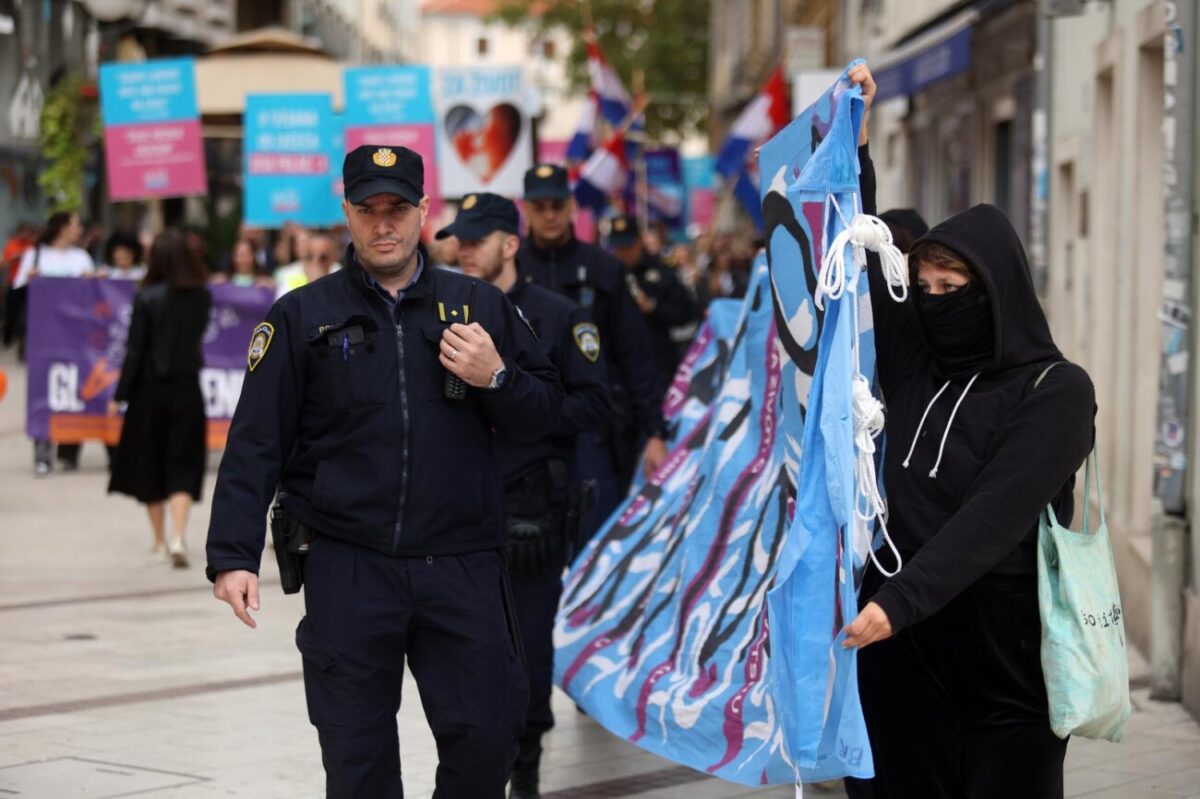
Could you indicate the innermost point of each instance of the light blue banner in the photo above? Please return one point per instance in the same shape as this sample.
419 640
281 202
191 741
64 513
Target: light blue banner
162 90
702 622
289 161
388 95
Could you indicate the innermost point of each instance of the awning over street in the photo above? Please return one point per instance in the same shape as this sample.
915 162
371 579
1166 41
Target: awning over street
941 52
267 61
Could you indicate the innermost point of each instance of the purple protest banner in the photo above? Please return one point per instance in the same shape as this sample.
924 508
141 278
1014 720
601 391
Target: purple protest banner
76 344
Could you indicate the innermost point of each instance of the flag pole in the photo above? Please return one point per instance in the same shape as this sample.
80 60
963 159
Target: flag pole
641 184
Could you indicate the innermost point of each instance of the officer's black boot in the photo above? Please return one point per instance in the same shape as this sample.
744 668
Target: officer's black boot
524 784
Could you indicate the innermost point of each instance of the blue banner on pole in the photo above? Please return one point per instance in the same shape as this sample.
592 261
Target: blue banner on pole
703 621
162 90
288 160
388 95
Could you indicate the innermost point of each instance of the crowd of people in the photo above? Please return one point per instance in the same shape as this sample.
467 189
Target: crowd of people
508 415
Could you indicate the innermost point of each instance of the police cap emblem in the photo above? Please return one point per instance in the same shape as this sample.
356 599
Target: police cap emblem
544 171
469 202
619 225
587 339
260 340
384 157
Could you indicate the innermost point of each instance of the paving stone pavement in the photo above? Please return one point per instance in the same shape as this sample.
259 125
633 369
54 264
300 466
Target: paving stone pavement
121 676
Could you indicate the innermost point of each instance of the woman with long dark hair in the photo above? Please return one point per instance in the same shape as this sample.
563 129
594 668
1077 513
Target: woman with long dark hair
160 460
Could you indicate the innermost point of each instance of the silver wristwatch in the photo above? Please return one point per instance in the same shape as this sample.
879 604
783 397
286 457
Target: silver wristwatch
498 377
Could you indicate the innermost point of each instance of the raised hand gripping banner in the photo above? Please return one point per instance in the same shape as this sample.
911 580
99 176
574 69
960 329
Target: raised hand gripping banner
703 621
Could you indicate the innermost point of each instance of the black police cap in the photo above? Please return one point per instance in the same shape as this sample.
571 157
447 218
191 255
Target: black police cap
547 182
480 214
624 231
373 169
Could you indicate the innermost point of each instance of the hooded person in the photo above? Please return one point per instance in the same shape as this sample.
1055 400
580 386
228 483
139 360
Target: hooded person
981 438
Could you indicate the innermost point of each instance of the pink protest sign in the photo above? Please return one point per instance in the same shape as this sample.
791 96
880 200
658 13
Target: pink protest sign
163 159
152 140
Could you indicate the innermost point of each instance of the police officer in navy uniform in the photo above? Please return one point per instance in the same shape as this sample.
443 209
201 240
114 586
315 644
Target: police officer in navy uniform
535 473
553 258
370 404
670 309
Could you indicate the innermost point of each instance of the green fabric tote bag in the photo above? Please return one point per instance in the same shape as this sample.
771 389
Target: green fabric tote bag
1083 632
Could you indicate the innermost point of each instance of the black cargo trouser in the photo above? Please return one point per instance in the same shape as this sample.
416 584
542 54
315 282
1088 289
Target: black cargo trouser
452 618
956 704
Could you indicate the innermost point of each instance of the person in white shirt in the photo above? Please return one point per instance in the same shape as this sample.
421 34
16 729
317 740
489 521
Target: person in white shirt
319 259
56 254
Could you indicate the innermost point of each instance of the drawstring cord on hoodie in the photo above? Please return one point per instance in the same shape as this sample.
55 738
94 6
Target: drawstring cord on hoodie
863 233
920 426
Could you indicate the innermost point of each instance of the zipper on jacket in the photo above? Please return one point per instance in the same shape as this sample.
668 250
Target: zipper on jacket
406 431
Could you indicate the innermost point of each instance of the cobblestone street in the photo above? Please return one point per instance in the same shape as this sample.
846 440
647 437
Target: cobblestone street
120 676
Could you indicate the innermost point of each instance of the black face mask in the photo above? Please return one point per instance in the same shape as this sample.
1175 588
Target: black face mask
959 328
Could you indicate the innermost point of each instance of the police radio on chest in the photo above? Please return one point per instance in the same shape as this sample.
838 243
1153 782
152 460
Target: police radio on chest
454 387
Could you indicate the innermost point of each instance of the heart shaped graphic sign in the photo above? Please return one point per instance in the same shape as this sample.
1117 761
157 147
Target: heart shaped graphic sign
483 142
484 137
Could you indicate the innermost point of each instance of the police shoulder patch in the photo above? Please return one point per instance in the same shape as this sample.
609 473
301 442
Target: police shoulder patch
587 339
260 340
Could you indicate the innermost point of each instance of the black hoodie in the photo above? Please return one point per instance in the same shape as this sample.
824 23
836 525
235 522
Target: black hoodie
971 509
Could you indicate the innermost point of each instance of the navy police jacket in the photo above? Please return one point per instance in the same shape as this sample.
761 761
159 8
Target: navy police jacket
344 410
595 280
573 345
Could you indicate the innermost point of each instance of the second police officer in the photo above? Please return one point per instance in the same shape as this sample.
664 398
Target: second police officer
539 519
554 258
371 402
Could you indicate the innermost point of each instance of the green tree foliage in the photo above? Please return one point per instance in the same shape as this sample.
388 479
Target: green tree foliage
667 40
67 136
68 133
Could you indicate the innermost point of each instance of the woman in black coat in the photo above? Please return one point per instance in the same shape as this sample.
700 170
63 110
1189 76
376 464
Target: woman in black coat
160 460
949 671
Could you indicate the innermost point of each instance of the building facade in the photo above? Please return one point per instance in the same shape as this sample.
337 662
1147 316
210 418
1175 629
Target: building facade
464 33
1110 302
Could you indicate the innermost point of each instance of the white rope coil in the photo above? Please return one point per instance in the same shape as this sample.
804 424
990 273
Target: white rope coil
862 233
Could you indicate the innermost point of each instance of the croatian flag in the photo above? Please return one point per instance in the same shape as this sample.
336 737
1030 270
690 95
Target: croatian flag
580 146
614 101
766 115
604 175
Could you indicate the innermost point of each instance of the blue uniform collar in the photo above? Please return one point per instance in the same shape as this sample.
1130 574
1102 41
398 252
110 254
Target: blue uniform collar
414 287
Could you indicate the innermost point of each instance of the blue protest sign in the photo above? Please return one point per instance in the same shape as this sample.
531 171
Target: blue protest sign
287 159
162 90
388 95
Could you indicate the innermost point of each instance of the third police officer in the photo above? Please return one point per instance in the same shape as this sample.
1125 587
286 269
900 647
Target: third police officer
552 257
541 520
670 309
